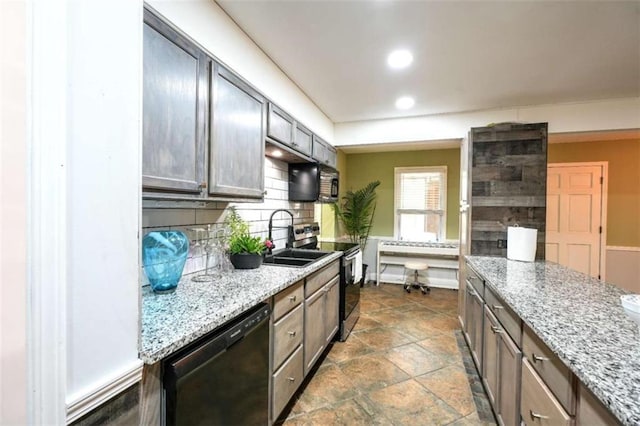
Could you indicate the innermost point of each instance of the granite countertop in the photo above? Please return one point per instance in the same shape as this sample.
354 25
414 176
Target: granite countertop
579 318
171 321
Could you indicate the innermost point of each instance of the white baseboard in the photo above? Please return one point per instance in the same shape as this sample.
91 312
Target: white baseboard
81 406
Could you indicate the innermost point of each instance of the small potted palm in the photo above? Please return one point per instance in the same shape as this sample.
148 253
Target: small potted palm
245 251
355 213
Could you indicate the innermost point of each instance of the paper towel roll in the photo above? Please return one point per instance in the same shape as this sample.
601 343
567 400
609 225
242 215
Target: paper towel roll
521 243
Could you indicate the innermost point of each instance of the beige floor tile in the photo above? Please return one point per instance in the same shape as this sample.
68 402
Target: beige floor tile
344 413
328 386
372 372
414 360
383 338
352 348
408 403
365 323
451 385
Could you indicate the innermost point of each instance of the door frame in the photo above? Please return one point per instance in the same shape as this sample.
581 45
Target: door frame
603 206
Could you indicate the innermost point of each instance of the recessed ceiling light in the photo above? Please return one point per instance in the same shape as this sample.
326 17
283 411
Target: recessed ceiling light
276 153
405 102
399 59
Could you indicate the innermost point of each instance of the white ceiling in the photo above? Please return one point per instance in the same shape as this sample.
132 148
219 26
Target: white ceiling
467 55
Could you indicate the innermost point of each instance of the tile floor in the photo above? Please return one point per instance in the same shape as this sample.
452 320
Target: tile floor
401 366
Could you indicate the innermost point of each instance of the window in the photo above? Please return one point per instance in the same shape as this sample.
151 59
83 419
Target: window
420 203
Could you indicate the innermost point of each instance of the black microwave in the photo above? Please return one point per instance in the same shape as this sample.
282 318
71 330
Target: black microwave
311 182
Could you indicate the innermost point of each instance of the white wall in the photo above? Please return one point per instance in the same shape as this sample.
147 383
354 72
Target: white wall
13 212
104 139
209 25
576 117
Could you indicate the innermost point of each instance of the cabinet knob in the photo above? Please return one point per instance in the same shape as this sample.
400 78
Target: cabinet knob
496 329
292 333
292 298
291 379
497 307
536 415
537 358
203 185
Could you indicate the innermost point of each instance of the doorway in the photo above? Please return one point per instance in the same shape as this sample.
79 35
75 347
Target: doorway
576 216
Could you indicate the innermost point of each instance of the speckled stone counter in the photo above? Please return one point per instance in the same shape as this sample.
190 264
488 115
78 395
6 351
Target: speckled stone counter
579 318
171 321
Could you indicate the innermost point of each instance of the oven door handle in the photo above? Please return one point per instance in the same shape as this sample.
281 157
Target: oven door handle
352 256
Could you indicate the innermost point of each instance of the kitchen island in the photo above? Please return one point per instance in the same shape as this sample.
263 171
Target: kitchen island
171 321
580 319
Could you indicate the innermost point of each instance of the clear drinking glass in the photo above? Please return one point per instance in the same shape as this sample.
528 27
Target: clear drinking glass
208 249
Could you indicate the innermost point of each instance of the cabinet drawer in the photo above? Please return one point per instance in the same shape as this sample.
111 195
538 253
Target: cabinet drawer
287 299
287 335
509 320
476 282
320 278
538 405
286 380
554 373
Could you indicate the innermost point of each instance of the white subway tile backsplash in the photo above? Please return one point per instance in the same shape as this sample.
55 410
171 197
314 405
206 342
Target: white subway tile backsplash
256 214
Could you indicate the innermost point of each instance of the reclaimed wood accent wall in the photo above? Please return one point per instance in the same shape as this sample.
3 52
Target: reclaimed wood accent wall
508 184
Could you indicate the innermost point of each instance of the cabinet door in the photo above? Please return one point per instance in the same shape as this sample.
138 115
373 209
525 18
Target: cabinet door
280 125
477 307
236 160
302 140
319 150
314 329
332 305
468 309
331 158
490 355
462 299
175 86
509 363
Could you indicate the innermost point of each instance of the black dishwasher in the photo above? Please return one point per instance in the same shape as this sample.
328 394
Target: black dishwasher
223 378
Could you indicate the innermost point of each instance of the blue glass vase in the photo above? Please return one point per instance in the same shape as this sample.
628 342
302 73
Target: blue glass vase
164 254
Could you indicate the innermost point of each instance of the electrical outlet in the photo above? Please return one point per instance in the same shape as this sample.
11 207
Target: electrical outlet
502 243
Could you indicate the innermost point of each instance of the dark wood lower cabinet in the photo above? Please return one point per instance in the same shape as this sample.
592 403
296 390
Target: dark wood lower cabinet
509 373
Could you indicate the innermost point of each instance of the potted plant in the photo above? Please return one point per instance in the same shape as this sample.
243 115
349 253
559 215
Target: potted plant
355 213
245 251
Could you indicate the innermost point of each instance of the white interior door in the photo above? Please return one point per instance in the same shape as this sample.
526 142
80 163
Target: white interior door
574 230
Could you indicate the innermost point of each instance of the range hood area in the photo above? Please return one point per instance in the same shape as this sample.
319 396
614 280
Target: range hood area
279 151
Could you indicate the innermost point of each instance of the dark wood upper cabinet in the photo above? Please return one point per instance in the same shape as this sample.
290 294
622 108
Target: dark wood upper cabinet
303 139
280 125
238 128
175 99
323 152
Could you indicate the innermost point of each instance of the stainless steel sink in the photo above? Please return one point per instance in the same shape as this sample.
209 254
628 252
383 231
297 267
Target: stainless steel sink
294 257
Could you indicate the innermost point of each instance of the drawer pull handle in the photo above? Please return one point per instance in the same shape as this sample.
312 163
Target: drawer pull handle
292 333
497 307
471 292
291 379
292 298
537 358
496 329
537 416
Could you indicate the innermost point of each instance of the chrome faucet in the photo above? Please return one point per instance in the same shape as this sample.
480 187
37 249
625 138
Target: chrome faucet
271 226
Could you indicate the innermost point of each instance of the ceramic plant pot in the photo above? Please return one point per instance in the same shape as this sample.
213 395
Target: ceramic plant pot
164 254
246 260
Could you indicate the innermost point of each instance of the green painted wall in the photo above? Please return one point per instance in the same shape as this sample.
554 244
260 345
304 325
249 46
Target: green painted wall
623 198
364 168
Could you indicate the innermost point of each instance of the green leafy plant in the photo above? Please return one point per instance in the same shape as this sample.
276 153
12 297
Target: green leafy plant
240 239
355 212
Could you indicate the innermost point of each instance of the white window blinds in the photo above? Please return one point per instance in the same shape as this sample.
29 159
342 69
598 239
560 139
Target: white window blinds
420 203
